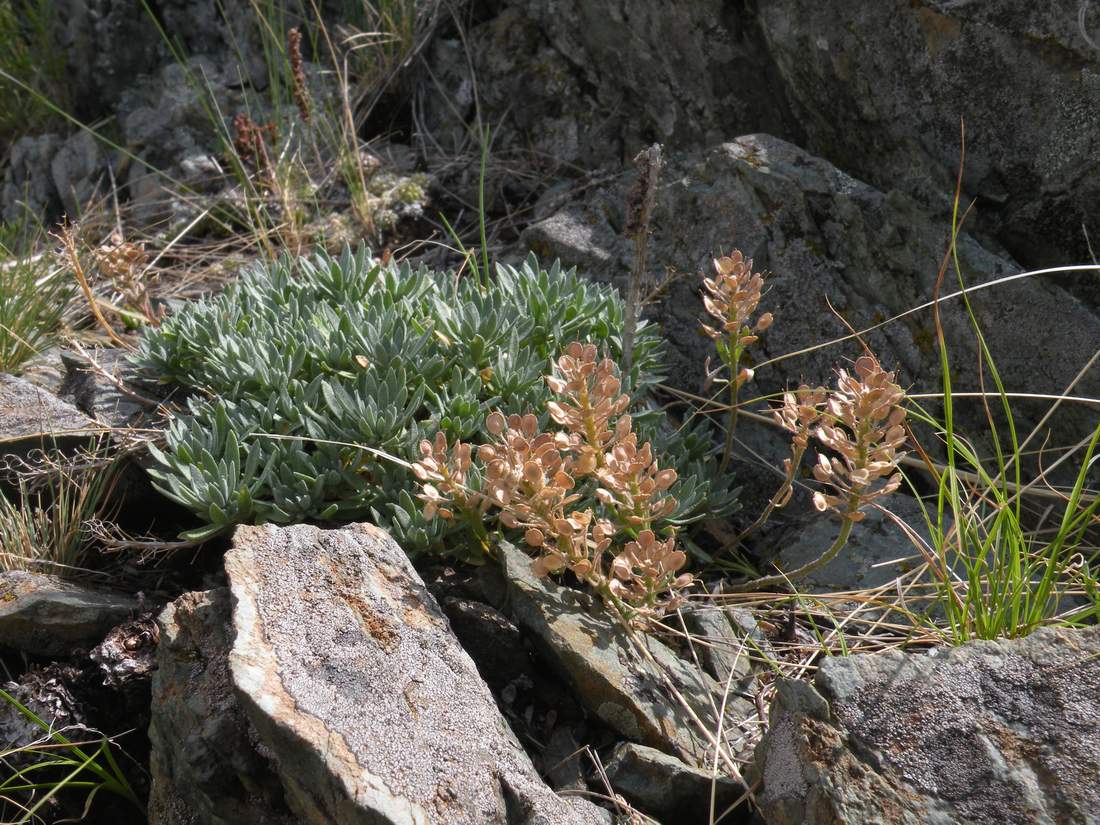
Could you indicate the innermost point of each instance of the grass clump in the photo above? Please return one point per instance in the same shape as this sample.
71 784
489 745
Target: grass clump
29 56
996 575
39 771
34 295
45 529
313 382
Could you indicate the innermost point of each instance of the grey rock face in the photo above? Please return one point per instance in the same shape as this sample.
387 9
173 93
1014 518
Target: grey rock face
77 171
613 681
27 411
204 764
47 616
109 43
28 187
101 398
32 418
722 650
880 87
664 787
982 733
347 668
600 79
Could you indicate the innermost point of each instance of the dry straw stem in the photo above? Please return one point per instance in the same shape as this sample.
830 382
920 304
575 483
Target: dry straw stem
67 236
640 205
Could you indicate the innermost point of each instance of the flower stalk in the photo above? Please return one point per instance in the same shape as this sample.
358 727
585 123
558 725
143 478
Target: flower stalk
731 297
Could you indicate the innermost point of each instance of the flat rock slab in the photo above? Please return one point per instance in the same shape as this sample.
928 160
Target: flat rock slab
48 616
984 733
374 713
30 415
611 678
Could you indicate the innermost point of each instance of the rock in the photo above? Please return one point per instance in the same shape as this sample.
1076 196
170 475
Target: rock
32 418
78 171
688 78
45 615
722 650
987 732
665 788
101 398
48 174
28 189
335 627
493 642
826 237
562 761
45 691
205 767
879 90
111 43
610 678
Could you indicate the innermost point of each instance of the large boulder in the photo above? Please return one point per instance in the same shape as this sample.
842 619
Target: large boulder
880 87
599 80
372 711
988 732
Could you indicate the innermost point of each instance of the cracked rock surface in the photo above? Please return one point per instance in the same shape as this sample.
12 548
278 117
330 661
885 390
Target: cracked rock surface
988 732
373 712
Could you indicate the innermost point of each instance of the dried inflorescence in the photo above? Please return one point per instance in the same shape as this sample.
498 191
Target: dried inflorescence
125 264
633 485
250 139
591 397
799 412
863 423
442 474
646 573
534 480
297 74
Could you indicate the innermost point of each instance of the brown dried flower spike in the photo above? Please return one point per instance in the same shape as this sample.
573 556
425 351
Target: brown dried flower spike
298 76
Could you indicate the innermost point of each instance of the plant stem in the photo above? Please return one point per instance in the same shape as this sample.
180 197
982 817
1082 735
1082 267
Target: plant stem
781 497
809 567
727 451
